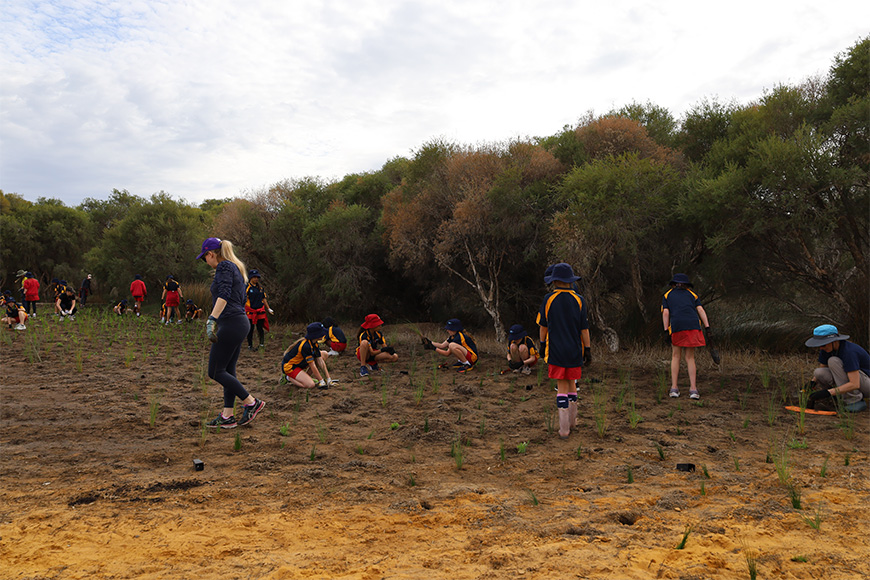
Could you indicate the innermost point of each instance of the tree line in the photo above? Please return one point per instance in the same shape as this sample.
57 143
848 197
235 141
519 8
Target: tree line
765 205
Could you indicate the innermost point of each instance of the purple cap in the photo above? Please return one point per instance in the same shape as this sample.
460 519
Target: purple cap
208 245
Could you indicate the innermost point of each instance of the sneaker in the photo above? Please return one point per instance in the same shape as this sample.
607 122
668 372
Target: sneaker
332 353
374 367
20 327
322 384
526 370
33 315
694 394
674 393
465 367
262 345
223 422
161 320
250 411
459 364
72 317
364 371
251 347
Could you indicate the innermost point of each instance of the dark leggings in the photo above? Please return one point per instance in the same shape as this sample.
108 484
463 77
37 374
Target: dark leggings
28 304
224 355
260 332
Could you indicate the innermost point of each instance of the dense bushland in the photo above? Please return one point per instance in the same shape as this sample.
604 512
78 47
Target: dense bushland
764 205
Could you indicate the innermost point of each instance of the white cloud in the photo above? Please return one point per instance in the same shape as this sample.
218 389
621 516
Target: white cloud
207 99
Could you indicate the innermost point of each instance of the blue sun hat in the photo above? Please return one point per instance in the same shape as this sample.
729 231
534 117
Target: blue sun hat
314 331
517 332
825 334
680 279
562 272
453 325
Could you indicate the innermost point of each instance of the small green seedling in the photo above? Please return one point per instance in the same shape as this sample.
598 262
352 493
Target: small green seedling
685 538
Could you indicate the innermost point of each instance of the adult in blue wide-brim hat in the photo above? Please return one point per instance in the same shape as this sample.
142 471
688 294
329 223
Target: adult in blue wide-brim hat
843 371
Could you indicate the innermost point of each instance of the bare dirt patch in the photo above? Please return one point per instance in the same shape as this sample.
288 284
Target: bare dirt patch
413 473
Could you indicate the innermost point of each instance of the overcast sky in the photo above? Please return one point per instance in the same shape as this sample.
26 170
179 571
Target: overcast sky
213 98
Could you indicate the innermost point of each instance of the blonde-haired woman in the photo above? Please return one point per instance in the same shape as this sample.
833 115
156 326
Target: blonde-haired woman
226 327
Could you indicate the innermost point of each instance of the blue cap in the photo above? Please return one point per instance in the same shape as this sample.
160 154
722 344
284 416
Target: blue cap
210 244
453 325
517 332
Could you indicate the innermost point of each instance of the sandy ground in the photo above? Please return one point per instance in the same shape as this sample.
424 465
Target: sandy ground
415 472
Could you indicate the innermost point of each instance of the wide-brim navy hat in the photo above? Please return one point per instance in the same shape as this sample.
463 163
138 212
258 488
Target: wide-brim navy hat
680 279
253 274
562 272
517 332
328 321
453 325
314 331
209 245
825 334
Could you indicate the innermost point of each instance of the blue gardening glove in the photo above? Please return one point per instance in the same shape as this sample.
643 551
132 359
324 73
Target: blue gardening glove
211 328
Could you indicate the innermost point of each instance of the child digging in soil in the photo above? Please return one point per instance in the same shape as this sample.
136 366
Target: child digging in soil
459 344
373 347
305 354
522 353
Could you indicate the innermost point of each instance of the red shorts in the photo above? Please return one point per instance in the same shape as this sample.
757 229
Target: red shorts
366 362
688 338
470 357
294 373
172 299
139 298
338 346
564 373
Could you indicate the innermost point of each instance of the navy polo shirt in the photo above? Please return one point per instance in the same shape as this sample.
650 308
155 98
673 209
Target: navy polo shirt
683 306
853 356
563 314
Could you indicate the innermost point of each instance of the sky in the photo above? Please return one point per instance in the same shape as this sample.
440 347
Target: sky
206 99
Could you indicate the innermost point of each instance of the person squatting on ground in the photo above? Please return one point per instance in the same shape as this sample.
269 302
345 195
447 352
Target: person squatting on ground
459 344
139 293
120 308
373 347
14 313
226 328
172 298
305 354
31 293
66 304
564 332
192 311
682 317
843 371
57 288
335 338
85 290
256 307
522 353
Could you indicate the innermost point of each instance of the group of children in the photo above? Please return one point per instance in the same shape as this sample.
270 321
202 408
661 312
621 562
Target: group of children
16 314
564 342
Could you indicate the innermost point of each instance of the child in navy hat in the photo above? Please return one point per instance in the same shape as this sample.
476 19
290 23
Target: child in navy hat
683 316
459 344
192 311
304 354
522 352
120 308
564 333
